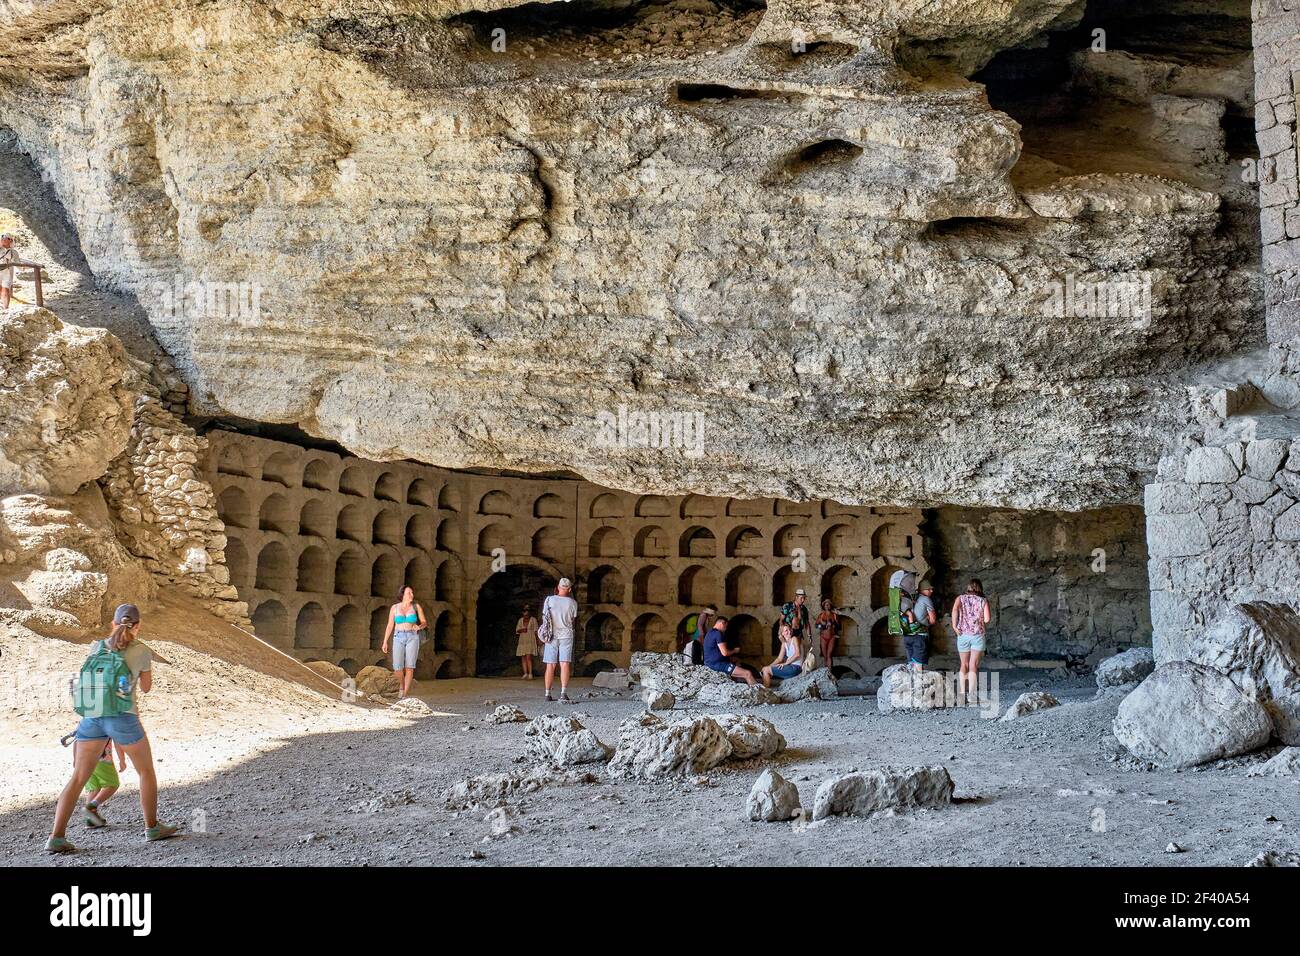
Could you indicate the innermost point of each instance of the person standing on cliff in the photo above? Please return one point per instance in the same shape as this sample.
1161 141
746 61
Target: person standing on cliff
8 256
559 613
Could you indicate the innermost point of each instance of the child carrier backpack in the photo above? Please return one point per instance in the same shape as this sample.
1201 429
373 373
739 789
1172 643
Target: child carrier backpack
103 687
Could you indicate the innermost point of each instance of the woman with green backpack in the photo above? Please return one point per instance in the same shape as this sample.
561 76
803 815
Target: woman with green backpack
105 697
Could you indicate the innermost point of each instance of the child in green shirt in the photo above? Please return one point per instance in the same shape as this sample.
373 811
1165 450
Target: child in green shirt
103 783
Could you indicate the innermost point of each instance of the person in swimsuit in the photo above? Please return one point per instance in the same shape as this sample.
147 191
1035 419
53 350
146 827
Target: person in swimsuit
406 621
828 629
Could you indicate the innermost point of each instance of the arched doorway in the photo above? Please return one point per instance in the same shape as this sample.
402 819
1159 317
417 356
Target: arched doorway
500 600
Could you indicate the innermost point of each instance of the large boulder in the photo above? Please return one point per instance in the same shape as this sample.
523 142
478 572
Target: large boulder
691 682
750 736
818 684
1257 645
563 742
887 788
649 747
902 688
1130 667
1185 714
772 798
1029 703
66 406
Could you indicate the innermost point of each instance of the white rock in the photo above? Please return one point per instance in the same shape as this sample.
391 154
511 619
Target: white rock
1185 714
902 688
1285 763
1029 703
658 699
617 678
654 748
772 798
750 736
887 788
818 684
563 742
1129 667
506 714
1258 646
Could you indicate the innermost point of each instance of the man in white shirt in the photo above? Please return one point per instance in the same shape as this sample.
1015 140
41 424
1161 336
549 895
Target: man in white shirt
561 611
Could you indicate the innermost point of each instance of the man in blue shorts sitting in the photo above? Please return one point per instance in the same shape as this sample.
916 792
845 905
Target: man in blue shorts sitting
719 656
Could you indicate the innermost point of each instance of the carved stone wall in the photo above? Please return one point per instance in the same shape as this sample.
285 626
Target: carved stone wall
319 545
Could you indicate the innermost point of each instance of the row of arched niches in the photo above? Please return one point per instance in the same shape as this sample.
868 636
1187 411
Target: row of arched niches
319 546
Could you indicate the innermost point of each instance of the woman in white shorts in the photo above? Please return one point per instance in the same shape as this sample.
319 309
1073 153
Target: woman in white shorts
970 617
405 624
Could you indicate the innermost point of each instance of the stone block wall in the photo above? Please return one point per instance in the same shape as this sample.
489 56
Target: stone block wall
1276 26
1223 527
318 545
1067 585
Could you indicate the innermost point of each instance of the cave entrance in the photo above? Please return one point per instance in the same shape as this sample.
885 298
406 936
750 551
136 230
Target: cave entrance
501 600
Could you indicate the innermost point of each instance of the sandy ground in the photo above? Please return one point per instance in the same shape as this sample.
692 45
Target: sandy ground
265 770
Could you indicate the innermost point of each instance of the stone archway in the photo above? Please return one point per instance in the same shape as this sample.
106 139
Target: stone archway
500 600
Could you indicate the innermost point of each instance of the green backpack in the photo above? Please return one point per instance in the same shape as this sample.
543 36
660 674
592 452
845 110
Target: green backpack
103 688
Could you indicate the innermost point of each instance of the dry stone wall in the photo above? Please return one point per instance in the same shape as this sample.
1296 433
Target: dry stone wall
319 544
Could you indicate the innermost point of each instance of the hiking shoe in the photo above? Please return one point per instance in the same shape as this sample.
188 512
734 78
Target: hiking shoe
95 819
564 697
547 697
160 831
59 845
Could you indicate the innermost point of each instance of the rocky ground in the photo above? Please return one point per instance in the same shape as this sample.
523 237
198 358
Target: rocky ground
266 771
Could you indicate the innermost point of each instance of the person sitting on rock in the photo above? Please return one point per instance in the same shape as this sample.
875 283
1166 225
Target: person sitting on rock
788 663
721 657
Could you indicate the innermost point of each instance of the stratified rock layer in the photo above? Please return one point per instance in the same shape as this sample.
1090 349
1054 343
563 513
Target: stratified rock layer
784 234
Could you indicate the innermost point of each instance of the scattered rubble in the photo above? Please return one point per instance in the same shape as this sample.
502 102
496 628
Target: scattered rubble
1130 667
1276 858
887 788
506 714
650 747
490 790
562 741
1285 763
1030 703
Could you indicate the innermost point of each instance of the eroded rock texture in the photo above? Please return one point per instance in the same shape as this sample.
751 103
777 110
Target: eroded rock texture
469 228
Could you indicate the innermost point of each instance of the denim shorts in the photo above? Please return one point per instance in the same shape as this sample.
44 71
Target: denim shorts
558 651
970 642
124 729
724 667
786 671
406 650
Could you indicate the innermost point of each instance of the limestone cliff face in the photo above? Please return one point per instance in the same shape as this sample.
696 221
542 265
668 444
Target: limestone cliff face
475 233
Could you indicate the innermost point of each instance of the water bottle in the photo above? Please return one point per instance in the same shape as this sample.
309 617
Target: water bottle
124 686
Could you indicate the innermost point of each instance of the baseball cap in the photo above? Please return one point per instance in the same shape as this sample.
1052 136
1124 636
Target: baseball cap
799 591
565 583
126 614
